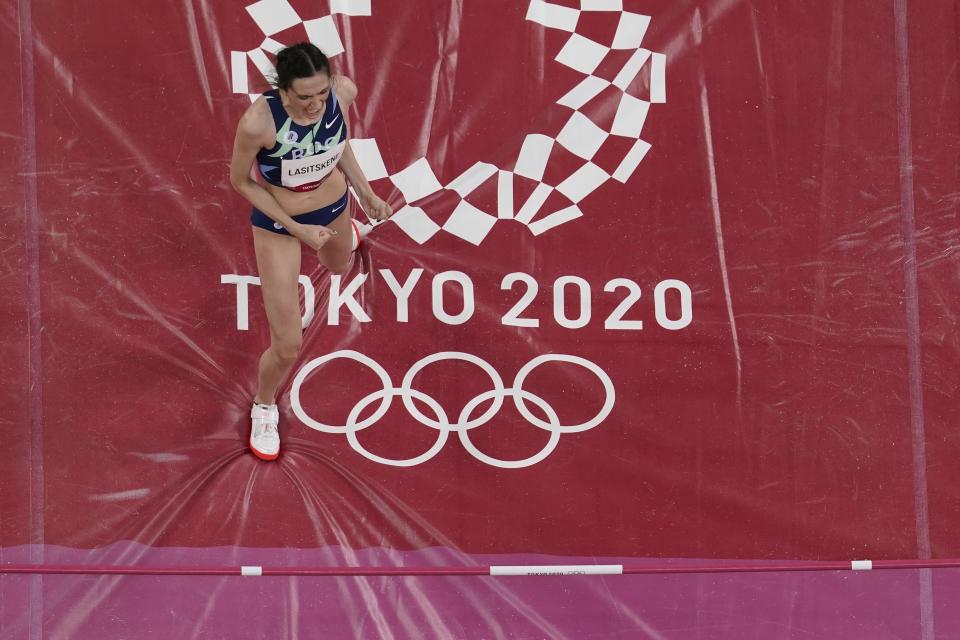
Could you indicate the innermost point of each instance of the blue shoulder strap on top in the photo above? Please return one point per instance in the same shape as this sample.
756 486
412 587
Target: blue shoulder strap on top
276 107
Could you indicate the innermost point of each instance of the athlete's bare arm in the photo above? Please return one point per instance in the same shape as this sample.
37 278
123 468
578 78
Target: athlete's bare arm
256 131
373 206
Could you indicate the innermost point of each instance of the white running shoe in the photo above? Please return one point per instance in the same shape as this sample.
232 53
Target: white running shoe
360 231
264 437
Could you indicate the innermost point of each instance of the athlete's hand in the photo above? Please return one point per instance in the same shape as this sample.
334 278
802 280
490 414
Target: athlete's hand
312 235
376 209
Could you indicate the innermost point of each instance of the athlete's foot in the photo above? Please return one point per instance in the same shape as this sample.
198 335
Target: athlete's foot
264 437
360 231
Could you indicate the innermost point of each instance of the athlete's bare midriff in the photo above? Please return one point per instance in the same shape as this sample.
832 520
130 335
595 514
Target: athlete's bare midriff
297 202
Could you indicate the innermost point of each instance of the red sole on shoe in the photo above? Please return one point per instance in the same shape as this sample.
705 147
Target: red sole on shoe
264 456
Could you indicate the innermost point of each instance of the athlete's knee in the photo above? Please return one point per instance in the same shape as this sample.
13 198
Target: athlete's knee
340 267
288 349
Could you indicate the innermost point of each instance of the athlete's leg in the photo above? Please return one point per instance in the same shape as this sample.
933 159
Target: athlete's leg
278 262
337 253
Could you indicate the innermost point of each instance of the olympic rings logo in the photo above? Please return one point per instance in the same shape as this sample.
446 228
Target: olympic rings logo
466 421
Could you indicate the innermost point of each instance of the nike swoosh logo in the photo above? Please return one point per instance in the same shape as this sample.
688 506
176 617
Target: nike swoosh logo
332 123
338 208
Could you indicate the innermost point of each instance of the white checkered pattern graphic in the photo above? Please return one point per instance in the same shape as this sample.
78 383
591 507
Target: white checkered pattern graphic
580 136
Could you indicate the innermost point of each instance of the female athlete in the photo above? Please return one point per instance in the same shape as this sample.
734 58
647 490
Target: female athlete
297 136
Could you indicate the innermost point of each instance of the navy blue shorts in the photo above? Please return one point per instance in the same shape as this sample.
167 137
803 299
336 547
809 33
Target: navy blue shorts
322 216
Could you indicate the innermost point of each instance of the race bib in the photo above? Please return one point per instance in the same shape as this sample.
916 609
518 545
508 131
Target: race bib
303 171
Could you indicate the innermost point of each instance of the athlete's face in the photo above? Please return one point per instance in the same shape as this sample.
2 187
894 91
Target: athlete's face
307 97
